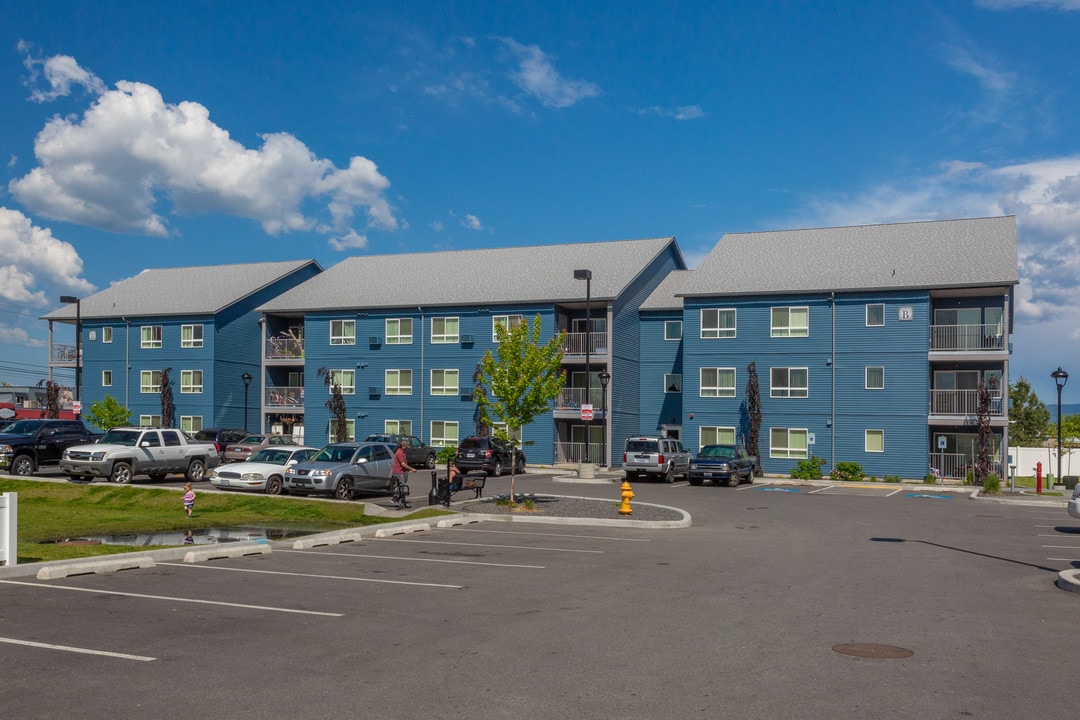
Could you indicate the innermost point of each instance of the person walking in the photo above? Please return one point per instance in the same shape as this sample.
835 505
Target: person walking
397 474
189 499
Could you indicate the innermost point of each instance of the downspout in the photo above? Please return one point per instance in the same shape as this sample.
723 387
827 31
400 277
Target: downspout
832 363
422 335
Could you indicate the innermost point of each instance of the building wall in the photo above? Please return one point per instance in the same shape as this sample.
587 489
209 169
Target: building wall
659 357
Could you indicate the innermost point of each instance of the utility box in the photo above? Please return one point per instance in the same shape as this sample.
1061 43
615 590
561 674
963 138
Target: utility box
1069 480
9 524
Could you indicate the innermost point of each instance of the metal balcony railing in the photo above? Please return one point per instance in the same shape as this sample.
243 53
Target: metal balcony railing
570 398
63 354
284 348
572 452
957 465
963 402
284 396
967 337
575 343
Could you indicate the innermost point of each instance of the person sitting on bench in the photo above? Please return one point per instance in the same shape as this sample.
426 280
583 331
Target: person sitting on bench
457 485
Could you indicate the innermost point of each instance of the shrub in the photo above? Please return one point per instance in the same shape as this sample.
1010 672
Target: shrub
847 472
930 479
892 478
809 469
970 479
992 485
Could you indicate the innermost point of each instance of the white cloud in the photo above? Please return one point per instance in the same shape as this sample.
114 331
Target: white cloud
31 254
351 240
112 169
685 112
472 223
436 225
537 76
18 336
62 73
1010 4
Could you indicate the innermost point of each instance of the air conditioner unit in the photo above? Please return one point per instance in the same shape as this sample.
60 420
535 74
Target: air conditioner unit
467 340
374 390
374 340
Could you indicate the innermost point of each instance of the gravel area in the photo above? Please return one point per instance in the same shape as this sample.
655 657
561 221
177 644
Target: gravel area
558 506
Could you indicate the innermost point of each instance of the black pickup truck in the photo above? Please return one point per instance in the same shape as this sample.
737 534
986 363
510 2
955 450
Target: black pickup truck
728 463
26 445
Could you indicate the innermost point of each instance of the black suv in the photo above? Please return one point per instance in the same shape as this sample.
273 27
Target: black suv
488 454
26 445
221 437
417 454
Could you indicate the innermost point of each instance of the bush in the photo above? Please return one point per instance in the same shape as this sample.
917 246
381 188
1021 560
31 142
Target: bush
808 469
930 479
847 472
992 485
970 479
892 478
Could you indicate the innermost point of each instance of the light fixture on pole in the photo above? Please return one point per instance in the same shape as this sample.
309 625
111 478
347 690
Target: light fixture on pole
246 377
69 299
586 275
1060 377
605 377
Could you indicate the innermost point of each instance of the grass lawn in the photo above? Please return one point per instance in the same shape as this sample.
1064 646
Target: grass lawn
50 511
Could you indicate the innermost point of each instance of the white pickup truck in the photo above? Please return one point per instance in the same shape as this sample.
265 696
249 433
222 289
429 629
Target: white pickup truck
126 452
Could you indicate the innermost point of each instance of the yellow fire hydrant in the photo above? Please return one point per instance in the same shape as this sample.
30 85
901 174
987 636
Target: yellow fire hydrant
627 496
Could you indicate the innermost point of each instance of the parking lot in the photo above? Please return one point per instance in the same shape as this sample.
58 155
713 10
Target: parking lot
736 616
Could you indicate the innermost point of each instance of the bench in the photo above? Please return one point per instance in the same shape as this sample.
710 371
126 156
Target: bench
463 482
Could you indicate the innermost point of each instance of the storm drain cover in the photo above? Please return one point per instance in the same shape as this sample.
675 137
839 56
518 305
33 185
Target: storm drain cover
870 650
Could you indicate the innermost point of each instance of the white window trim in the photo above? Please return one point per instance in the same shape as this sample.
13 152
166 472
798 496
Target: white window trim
717 429
151 344
337 377
721 391
789 330
106 334
398 387
350 433
445 338
190 386
866 440
866 377
398 338
444 389
340 332
718 332
397 427
787 448
155 382
507 321
672 323
188 422
787 392
875 305
149 420
194 342
444 439
106 378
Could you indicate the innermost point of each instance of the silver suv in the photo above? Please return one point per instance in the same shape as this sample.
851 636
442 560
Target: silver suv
656 457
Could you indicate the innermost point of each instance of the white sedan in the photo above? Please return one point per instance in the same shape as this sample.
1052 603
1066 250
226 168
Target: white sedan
1074 502
264 472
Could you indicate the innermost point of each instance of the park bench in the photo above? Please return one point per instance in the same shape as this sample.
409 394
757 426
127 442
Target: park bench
463 482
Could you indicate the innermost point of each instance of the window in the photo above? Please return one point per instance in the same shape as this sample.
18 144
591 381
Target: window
397 427
342 332
444 433
716 323
508 323
716 436
191 336
444 330
790 322
875 377
673 329
717 382
106 334
150 421
787 443
350 431
150 381
151 336
673 383
399 331
875 315
399 382
787 383
874 441
346 379
504 429
191 423
444 382
191 381
106 378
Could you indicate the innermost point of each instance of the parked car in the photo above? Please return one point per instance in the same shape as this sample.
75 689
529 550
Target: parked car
1074 502
221 437
489 454
250 444
26 445
656 458
343 469
262 472
730 464
417 453
125 452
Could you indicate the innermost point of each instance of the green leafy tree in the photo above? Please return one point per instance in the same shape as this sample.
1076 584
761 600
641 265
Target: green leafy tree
107 414
519 381
1028 415
1070 431
336 406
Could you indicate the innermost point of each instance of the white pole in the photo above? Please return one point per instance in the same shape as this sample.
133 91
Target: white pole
9 515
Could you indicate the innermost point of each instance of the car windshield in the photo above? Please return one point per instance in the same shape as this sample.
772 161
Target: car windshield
272 456
645 446
717 451
251 440
121 437
334 454
24 427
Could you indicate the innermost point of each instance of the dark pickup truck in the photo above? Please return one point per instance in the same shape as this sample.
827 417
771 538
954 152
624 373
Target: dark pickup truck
26 445
727 463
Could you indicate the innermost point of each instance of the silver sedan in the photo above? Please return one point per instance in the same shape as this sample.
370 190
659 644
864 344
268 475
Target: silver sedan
264 472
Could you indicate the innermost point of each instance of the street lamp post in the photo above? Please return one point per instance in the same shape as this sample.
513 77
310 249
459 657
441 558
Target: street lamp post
605 377
246 377
68 299
586 275
1060 377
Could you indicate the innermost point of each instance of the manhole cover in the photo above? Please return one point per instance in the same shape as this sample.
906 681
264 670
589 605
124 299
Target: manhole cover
870 650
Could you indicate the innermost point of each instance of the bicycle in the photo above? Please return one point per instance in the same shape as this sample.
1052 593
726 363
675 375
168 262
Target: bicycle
401 491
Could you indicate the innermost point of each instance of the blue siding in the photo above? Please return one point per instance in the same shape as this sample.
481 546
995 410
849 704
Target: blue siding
659 357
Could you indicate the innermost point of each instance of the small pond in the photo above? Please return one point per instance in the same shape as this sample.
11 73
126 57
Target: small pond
205 536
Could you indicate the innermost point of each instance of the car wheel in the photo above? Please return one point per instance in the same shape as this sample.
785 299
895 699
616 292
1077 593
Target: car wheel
430 464
196 471
344 489
669 476
497 470
749 478
520 469
157 476
22 465
121 473
273 485
733 480
696 481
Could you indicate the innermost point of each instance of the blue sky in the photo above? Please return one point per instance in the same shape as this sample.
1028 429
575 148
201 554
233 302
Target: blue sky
163 134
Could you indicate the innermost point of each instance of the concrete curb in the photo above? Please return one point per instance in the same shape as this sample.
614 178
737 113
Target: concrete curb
227 550
336 537
684 522
97 566
1069 580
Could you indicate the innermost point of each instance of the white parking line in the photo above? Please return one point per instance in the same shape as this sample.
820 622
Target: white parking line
310 575
69 648
511 547
1062 547
171 598
559 535
411 559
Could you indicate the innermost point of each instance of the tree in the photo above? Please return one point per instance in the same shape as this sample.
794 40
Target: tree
753 410
52 399
167 408
336 406
521 383
107 414
1070 431
982 416
1027 414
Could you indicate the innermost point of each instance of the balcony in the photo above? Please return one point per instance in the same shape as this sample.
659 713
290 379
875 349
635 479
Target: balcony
63 355
964 402
284 396
574 398
967 338
575 344
285 348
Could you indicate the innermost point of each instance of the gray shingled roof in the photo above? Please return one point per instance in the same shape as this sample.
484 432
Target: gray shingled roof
180 291
666 294
940 253
539 273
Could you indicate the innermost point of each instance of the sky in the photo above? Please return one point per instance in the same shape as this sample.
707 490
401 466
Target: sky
149 134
